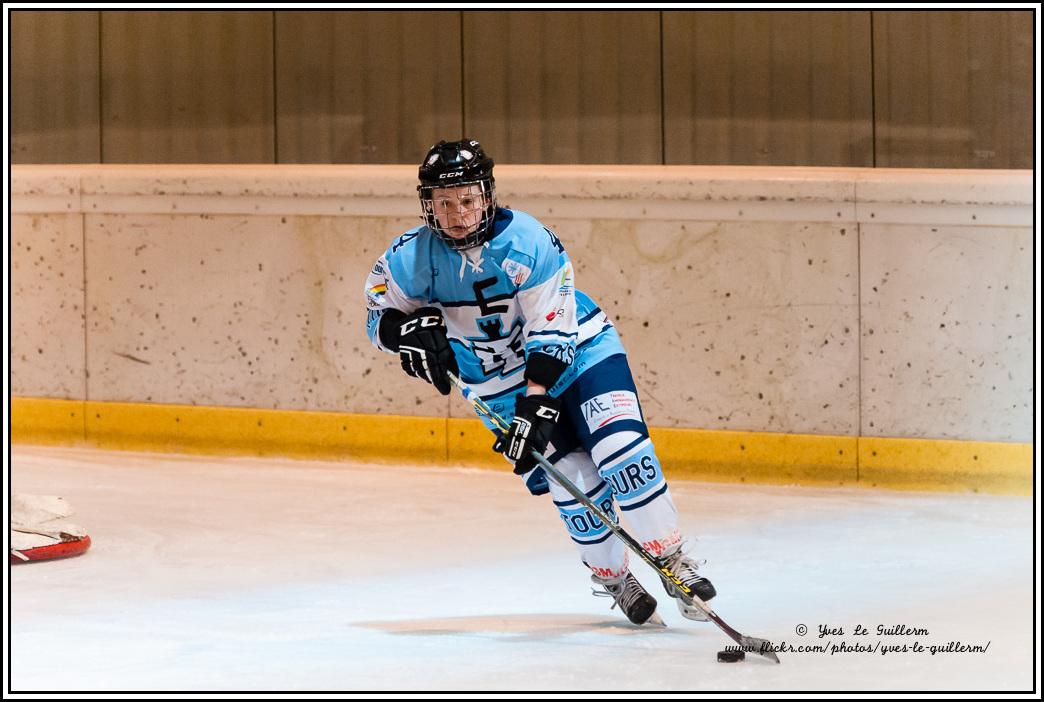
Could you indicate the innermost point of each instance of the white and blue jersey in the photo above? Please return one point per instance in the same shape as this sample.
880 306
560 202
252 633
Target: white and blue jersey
502 301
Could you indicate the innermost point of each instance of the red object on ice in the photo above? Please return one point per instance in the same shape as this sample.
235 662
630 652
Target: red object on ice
62 549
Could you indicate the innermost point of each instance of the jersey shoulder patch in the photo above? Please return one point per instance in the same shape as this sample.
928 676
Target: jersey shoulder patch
536 253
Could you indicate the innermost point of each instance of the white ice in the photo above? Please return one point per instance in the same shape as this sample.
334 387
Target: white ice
273 575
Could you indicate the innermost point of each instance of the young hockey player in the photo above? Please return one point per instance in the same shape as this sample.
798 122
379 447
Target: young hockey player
487 293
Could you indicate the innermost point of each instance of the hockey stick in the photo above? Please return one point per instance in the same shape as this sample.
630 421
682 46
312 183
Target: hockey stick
749 643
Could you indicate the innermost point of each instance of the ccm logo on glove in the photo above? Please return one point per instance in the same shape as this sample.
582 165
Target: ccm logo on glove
427 321
547 413
531 429
424 350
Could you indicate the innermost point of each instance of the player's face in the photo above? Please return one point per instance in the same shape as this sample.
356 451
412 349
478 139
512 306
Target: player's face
459 210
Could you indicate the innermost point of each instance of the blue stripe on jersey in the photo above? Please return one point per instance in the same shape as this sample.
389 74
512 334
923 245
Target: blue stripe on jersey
590 493
593 338
557 456
552 332
589 316
616 454
647 500
620 425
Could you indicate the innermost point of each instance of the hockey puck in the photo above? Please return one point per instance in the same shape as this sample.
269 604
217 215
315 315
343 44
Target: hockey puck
731 656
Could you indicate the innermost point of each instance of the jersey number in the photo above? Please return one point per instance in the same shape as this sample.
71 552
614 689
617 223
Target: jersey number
554 240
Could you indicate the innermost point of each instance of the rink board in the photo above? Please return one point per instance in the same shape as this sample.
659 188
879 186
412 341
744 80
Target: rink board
690 454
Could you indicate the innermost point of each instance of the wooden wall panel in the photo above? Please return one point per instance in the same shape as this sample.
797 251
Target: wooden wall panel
187 87
954 89
768 88
937 88
54 87
564 87
366 87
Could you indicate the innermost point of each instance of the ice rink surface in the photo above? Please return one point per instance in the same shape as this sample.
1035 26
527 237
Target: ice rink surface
215 574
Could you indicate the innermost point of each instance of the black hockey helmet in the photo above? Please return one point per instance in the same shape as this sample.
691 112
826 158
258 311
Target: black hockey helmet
452 164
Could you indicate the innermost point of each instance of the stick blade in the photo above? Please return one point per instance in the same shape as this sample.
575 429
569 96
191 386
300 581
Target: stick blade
762 647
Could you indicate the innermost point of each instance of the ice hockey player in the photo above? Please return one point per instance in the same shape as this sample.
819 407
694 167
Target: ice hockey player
488 293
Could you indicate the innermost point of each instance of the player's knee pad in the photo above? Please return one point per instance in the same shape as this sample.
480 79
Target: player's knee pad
634 474
584 527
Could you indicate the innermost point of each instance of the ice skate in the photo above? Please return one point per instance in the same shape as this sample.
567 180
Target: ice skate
685 568
637 604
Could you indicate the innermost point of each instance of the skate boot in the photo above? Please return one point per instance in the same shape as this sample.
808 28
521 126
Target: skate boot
685 569
637 604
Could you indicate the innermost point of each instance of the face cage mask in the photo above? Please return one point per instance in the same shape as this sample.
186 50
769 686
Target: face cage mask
483 231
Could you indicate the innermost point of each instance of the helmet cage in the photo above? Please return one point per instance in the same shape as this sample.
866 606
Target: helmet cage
483 230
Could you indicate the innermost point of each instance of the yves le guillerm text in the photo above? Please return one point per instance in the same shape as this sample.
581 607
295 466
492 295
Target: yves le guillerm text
880 639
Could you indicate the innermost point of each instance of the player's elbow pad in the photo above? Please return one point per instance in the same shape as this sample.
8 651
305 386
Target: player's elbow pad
544 369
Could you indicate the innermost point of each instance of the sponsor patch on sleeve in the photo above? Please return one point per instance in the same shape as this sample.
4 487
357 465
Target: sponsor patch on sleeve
565 283
374 295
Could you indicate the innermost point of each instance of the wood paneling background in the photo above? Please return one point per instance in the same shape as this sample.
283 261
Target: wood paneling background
954 89
365 87
187 87
773 88
564 87
54 87
838 88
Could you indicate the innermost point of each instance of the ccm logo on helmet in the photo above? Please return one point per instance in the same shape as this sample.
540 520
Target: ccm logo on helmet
424 322
451 174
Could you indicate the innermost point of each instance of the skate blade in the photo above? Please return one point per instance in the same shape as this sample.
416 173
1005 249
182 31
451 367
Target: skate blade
655 621
692 613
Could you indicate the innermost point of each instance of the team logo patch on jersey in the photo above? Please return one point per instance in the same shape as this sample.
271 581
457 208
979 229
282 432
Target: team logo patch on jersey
610 407
498 351
518 272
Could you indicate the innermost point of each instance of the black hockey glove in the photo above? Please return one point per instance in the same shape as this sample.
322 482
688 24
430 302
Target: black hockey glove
424 350
535 418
